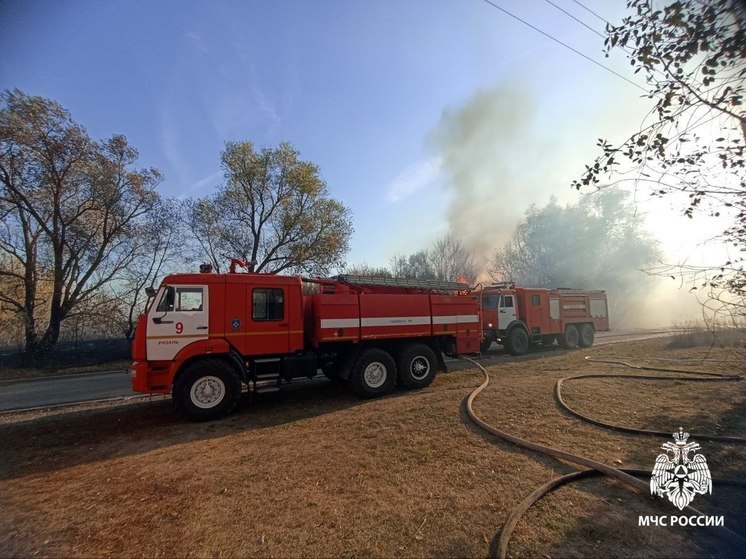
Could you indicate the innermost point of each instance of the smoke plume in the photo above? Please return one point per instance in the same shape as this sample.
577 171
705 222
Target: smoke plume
500 152
493 166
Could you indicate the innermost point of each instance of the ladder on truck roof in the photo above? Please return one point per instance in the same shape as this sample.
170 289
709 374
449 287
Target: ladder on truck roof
574 291
438 285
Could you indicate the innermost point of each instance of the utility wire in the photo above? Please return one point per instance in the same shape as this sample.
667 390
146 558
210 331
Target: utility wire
629 52
588 58
568 14
586 8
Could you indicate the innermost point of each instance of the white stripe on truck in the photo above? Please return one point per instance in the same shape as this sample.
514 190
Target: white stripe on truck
460 319
395 321
340 323
398 321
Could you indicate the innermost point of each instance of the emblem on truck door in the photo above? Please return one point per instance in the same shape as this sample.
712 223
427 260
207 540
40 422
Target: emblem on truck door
235 324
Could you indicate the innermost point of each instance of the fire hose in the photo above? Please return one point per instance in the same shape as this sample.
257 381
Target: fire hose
626 476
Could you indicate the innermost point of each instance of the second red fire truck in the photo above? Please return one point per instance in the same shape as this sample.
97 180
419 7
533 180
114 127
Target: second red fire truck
517 317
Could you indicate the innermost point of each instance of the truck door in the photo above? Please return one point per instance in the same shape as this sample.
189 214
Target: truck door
270 324
507 310
490 318
178 317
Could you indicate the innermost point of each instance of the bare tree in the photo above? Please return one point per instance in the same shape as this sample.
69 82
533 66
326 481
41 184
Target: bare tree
273 210
203 220
451 260
416 265
446 259
71 209
364 269
160 253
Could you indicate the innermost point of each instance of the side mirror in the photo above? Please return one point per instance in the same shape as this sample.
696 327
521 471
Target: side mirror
150 292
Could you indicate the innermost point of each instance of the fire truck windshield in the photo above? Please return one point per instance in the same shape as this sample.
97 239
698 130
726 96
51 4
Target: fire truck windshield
166 302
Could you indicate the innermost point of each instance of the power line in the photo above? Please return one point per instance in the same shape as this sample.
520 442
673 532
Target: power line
591 11
568 14
629 52
588 58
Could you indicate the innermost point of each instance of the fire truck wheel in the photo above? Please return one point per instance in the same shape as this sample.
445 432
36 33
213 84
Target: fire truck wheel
586 336
207 389
417 366
517 342
373 374
570 338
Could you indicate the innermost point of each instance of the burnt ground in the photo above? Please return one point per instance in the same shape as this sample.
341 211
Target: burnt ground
313 471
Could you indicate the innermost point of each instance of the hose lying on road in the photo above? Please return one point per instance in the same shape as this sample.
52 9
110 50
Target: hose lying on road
596 468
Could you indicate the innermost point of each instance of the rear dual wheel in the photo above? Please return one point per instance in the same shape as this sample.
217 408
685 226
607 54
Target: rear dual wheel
587 336
417 366
373 374
570 338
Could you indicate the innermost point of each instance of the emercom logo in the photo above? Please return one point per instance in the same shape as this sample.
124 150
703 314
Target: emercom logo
680 478
677 476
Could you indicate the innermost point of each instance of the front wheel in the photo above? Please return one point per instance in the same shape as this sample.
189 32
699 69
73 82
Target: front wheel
373 374
417 366
207 389
517 342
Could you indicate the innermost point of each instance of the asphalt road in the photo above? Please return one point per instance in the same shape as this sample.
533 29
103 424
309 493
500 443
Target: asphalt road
71 389
67 389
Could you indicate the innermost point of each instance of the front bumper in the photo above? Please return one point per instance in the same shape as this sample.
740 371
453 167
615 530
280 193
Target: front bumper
151 377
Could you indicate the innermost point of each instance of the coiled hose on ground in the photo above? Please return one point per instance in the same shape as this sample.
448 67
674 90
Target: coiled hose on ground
626 476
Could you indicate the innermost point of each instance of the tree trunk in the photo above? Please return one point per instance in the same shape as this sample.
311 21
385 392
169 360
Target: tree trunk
52 333
56 314
29 304
29 330
129 332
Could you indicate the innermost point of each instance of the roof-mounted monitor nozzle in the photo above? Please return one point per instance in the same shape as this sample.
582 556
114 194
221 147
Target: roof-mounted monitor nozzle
243 264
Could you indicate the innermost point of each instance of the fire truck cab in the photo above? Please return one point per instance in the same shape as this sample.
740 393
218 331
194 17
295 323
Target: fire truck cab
517 317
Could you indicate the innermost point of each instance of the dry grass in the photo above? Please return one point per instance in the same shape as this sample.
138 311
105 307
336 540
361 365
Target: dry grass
697 334
315 472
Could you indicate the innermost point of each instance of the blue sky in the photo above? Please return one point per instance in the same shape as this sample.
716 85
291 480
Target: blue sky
424 115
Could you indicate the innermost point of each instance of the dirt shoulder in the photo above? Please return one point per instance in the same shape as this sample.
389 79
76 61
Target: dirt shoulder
315 472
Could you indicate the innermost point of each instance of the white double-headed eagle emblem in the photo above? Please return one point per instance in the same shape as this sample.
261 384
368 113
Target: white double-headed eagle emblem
677 477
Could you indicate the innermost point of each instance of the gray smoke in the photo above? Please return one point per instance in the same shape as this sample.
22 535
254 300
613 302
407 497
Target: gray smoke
499 155
478 146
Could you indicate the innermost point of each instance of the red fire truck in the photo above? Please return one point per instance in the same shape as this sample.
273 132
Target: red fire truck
205 336
517 317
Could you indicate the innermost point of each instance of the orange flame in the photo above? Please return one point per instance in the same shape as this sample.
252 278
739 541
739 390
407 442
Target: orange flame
462 279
